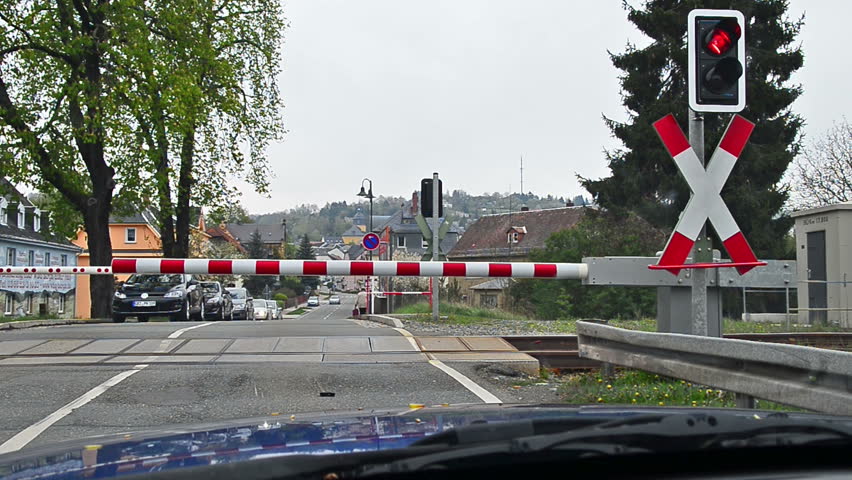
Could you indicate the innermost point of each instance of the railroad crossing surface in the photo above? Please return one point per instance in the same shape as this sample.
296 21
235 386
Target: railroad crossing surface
64 382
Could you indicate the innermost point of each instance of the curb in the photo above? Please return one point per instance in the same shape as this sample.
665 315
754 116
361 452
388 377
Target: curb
390 321
48 323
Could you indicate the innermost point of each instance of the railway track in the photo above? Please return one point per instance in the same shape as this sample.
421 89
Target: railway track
560 351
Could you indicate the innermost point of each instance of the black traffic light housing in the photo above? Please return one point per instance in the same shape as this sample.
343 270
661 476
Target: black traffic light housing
426 198
716 44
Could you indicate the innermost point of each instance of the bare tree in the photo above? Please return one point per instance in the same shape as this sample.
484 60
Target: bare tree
822 174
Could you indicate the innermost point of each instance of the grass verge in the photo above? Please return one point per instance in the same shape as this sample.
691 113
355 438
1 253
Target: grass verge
299 311
11 319
634 387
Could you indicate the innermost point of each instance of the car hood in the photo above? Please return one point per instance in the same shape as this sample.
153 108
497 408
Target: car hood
280 435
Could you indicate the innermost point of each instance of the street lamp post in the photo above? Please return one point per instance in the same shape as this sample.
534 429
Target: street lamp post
369 195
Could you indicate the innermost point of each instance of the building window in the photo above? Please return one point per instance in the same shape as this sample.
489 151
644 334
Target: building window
37 220
61 303
47 259
512 237
130 235
10 256
424 243
63 260
400 241
21 224
31 258
28 303
3 220
10 303
488 301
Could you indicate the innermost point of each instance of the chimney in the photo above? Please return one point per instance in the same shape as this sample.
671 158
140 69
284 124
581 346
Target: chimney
12 212
414 207
569 203
45 222
525 208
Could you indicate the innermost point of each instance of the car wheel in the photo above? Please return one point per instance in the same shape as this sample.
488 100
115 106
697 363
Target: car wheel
142 319
183 315
222 314
118 318
201 313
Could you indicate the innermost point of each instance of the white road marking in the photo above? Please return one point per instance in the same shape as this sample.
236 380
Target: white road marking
180 332
467 383
27 435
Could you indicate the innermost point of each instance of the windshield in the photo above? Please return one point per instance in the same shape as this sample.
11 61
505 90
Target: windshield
155 279
609 206
237 294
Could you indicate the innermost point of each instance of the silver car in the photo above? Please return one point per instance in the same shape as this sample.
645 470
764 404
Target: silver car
260 310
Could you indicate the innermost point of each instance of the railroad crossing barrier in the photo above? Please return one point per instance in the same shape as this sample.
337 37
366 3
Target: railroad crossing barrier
811 378
204 266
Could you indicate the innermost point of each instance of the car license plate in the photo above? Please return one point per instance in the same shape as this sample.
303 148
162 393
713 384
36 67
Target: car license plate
144 303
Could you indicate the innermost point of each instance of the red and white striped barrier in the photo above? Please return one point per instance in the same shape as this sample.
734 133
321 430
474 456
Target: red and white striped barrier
199 266
401 293
706 201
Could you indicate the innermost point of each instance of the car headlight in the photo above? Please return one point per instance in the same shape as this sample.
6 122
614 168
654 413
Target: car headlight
174 294
213 300
239 307
120 295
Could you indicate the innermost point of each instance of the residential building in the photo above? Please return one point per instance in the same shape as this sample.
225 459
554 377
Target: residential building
221 238
507 237
26 239
273 236
400 233
132 236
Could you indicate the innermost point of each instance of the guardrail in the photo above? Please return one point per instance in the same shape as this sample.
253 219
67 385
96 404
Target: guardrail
806 377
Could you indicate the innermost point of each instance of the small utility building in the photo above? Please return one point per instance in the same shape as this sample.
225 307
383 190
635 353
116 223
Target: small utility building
824 256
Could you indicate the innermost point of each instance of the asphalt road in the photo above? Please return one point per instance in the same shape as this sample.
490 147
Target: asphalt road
209 371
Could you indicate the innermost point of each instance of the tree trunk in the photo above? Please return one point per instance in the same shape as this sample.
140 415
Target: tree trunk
185 182
96 220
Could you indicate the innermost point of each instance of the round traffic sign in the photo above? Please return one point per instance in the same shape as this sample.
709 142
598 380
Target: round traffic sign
370 241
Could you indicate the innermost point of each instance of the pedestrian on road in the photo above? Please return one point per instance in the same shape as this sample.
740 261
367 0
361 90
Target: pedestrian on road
361 302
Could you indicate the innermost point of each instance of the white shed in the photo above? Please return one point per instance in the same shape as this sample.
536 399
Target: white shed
824 256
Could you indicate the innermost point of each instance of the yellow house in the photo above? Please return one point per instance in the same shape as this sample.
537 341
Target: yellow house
131 237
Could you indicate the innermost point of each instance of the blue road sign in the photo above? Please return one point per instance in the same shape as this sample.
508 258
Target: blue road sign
370 241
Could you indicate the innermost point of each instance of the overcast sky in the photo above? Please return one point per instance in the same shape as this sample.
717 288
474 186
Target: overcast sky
394 90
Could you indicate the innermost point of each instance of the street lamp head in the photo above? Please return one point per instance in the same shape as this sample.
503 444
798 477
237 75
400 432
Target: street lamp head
362 193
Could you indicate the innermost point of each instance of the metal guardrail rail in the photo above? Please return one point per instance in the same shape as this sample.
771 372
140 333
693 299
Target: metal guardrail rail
812 378
560 351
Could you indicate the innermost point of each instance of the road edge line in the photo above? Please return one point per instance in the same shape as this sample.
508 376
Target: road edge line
27 435
180 332
466 382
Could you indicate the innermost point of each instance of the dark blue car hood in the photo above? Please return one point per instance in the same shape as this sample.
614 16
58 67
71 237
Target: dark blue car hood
245 440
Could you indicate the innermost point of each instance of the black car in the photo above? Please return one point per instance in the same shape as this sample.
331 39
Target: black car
218 304
157 295
243 304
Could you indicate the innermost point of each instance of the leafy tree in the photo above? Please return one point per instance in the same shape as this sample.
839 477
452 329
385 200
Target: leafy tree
229 212
201 87
58 111
597 234
822 174
644 178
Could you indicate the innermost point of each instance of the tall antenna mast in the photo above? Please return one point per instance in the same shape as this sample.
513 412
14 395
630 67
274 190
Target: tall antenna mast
522 174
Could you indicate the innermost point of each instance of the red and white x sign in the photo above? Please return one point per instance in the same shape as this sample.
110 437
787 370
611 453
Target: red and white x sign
706 201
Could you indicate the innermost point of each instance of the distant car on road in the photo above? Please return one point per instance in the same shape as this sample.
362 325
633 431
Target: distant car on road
274 311
217 302
261 312
313 301
334 300
243 308
155 295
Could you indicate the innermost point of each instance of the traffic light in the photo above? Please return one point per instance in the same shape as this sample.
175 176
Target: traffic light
426 198
716 45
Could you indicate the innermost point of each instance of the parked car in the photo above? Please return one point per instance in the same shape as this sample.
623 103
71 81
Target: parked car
155 295
243 304
334 300
260 310
274 310
218 304
313 301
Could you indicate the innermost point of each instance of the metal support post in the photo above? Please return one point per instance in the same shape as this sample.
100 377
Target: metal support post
703 249
436 247
742 400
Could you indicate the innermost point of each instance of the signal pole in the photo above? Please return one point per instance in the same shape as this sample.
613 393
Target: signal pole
436 247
